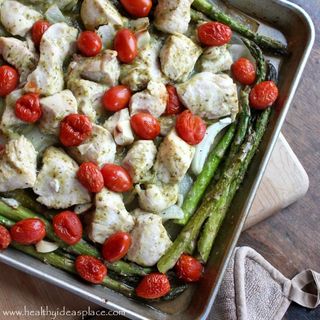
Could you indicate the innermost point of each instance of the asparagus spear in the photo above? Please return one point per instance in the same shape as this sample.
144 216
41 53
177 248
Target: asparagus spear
264 42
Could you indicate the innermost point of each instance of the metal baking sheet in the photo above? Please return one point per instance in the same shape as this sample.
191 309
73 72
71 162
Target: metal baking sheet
282 20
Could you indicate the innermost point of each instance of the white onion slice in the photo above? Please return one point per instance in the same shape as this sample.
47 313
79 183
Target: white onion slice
174 212
46 246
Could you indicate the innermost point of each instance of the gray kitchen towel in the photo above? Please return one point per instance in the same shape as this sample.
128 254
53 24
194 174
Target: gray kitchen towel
253 289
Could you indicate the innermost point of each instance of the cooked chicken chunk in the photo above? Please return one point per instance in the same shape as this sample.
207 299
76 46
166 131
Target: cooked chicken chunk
216 59
109 216
150 240
178 57
140 159
173 16
152 100
57 184
57 43
54 109
95 13
17 18
99 148
18 165
174 158
18 54
209 95
157 197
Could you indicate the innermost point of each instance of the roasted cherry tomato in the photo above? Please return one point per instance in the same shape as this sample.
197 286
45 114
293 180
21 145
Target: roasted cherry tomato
125 43
9 80
74 130
28 108
174 105
90 177
116 246
90 269
5 238
89 43
38 29
263 95
153 286
244 71
67 226
28 231
116 98
188 268
145 126
116 178
190 128
137 8
214 34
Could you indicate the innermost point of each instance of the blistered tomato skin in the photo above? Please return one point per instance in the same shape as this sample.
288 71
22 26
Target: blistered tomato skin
116 246
28 108
5 238
125 43
9 80
90 177
28 231
116 98
116 178
67 226
214 34
174 106
137 8
74 130
153 286
89 43
263 95
38 29
90 269
145 126
188 269
190 128
244 71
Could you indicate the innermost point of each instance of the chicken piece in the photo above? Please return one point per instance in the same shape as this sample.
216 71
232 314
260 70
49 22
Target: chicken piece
150 240
216 59
95 13
54 109
174 158
109 216
17 18
18 54
18 165
173 16
178 57
140 159
57 184
144 68
157 197
209 95
100 148
57 43
152 100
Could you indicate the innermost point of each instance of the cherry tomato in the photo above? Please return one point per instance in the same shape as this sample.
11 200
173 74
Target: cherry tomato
28 231
116 98
190 128
153 286
89 43
67 226
38 29
188 268
74 130
90 269
116 246
125 43
174 105
145 126
5 238
244 71
214 34
9 80
90 177
263 95
137 8
116 178
28 108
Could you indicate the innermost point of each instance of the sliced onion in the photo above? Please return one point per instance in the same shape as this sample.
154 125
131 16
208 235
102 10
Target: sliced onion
173 212
54 15
238 51
13 203
46 246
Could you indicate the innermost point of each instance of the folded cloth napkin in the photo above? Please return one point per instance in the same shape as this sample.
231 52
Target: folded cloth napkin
253 289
